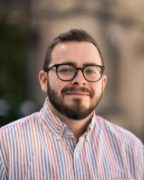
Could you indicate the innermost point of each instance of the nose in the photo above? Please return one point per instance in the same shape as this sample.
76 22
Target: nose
79 78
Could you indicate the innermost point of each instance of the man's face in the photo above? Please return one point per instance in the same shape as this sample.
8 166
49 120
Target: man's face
76 99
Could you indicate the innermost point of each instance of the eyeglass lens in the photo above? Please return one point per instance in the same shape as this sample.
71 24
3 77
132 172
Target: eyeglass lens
68 72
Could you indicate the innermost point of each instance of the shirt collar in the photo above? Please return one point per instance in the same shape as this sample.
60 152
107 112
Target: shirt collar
58 128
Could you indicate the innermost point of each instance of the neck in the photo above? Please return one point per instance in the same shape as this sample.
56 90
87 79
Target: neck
78 127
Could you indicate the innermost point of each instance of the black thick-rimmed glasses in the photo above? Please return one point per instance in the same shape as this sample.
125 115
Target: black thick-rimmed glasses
67 72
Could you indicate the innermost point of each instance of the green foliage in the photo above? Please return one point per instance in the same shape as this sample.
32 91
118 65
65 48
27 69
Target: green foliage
13 51
14 46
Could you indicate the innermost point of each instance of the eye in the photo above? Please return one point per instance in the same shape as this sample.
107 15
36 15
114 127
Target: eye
91 70
65 69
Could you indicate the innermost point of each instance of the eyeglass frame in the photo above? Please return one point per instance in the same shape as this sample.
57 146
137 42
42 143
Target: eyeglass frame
102 68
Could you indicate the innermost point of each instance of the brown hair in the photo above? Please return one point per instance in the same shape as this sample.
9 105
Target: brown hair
77 35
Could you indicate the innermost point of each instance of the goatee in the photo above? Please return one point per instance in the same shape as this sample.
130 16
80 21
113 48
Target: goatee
77 110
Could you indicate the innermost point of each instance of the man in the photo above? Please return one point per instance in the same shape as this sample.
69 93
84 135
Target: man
66 140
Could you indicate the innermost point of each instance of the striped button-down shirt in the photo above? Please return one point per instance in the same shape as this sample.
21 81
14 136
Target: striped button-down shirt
41 147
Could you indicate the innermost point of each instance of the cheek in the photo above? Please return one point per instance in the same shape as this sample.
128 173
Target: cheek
55 84
98 89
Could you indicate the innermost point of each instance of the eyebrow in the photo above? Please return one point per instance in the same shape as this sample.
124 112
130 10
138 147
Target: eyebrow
74 64
68 62
88 64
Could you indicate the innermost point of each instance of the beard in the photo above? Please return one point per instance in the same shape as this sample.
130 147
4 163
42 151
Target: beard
75 111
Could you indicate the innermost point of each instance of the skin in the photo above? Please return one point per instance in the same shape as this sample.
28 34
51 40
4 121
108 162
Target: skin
80 54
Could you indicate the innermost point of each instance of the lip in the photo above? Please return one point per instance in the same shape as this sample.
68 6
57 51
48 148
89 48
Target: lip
77 93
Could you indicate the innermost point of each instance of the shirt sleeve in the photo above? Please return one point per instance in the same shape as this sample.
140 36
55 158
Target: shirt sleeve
141 163
2 164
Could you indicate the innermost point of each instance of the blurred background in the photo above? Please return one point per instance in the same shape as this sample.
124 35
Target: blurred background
27 27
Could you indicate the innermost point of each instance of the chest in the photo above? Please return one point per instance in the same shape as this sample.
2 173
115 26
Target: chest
51 158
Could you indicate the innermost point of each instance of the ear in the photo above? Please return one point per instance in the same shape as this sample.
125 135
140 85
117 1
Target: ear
43 80
104 82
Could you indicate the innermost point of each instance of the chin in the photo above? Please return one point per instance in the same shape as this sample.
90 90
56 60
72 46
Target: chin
78 100
76 106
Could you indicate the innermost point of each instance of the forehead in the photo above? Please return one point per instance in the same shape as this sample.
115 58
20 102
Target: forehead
78 53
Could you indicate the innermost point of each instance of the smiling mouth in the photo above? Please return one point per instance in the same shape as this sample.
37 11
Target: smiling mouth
77 93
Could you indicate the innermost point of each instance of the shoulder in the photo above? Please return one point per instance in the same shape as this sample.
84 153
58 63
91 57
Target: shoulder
118 134
20 124
120 144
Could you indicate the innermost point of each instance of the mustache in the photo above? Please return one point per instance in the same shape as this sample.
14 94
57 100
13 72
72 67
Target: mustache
80 89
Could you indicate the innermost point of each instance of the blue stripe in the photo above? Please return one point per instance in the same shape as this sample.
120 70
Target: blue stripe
41 132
